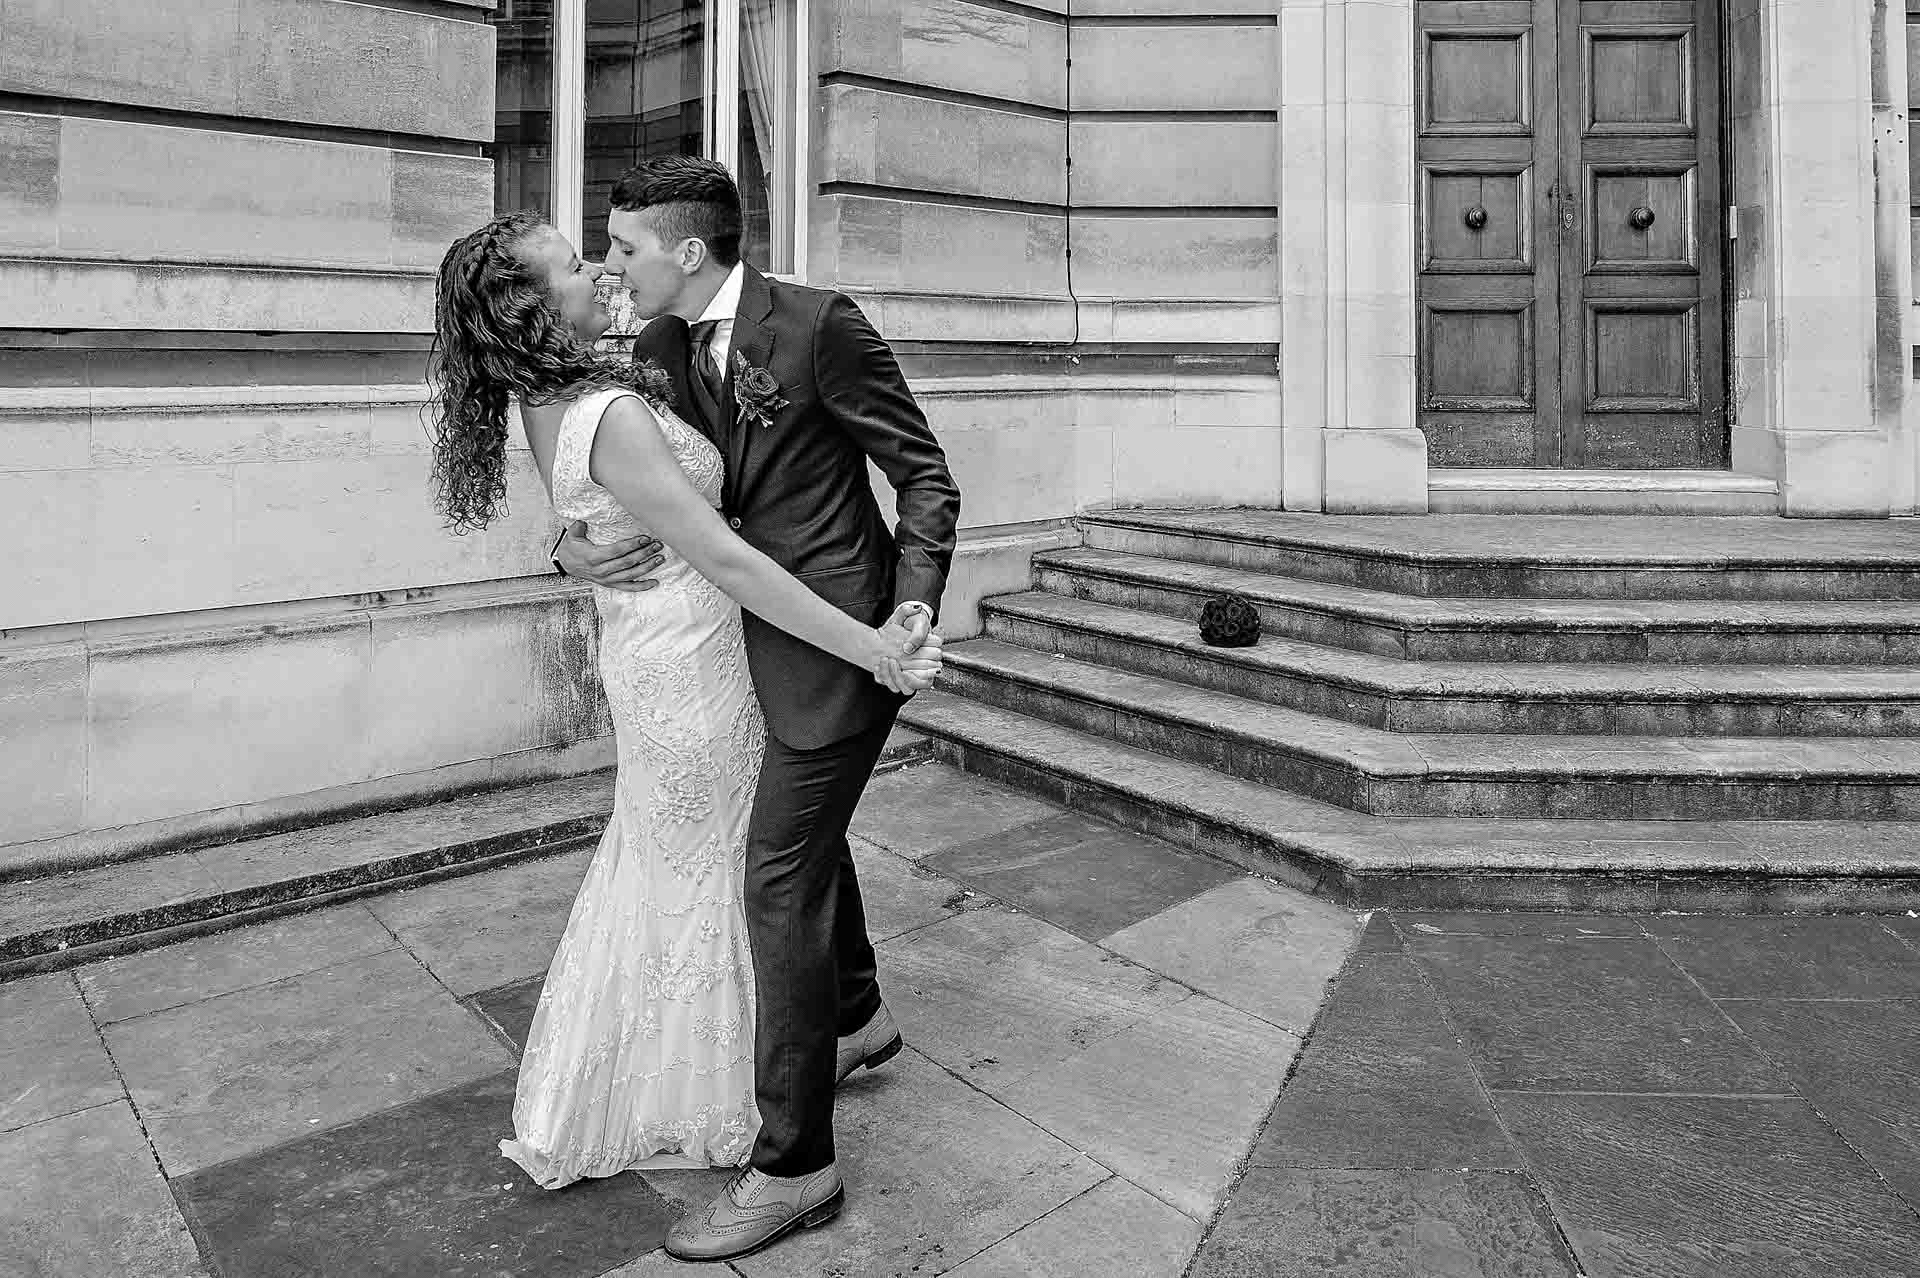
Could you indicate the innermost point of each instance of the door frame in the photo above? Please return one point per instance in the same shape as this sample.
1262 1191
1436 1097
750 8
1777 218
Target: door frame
1804 322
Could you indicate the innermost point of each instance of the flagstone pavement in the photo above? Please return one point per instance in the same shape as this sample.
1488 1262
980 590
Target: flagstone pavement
1099 1025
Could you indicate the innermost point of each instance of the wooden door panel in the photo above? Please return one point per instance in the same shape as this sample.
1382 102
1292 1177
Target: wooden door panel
1639 80
1639 299
1485 109
1476 81
1476 218
1483 356
1643 218
1646 356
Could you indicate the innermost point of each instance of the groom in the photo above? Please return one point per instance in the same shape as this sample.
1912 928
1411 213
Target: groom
798 392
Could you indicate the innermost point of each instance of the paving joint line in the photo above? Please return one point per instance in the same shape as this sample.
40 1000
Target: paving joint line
1555 1212
1778 1064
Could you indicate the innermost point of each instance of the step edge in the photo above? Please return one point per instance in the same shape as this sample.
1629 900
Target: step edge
1530 613
1445 770
1461 686
1397 827
1440 559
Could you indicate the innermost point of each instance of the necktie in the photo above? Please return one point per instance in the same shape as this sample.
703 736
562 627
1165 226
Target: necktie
703 361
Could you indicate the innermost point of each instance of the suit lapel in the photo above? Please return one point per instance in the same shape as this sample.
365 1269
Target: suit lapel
752 342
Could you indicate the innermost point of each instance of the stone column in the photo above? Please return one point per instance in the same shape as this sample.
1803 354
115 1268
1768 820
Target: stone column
1346 257
1830 449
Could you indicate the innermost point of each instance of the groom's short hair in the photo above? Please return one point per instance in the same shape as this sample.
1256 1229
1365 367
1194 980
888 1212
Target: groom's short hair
694 198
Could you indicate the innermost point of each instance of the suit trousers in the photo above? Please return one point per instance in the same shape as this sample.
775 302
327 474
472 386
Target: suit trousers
813 966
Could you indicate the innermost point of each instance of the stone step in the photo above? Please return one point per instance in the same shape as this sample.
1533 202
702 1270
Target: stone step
1733 866
1537 491
1450 774
1539 556
61 919
1775 632
1467 696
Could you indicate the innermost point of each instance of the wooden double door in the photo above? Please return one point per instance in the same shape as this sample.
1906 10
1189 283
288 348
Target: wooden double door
1570 233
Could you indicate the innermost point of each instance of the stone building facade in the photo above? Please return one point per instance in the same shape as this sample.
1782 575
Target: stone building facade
1341 255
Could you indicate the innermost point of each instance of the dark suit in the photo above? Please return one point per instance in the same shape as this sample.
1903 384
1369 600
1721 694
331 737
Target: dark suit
797 489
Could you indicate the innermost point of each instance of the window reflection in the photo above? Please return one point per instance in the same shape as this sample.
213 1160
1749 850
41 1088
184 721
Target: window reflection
645 84
768 61
522 147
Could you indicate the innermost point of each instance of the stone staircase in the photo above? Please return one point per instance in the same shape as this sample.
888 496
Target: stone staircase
1589 712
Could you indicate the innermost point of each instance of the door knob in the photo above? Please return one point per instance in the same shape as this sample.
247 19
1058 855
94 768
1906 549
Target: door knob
1475 217
1640 218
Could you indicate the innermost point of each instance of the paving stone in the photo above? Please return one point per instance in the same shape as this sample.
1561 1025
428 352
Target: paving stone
1114 1228
1299 1223
1859 1064
1587 1015
993 995
511 1007
80 1197
1687 1187
1172 1103
900 896
919 811
1383 1083
154 980
480 931
1514 923
229 1076
417 1189
51 1058
1264 949
1790 957
935 1172
1085 876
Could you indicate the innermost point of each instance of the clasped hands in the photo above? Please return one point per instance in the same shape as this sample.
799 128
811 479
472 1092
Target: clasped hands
909 632
914 648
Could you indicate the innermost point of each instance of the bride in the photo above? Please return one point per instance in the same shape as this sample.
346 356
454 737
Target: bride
641 1050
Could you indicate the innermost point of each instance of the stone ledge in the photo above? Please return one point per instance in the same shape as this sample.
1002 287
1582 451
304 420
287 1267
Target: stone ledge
64 919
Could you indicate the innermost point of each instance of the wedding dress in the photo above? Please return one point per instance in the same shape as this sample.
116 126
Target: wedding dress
641 1051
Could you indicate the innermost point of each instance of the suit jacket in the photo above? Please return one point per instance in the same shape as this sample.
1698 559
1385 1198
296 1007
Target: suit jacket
798 490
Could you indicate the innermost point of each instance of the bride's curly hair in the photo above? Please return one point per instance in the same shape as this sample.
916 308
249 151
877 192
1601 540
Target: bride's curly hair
496 336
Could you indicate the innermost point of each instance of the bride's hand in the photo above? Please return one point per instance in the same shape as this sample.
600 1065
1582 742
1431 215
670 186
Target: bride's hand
914 672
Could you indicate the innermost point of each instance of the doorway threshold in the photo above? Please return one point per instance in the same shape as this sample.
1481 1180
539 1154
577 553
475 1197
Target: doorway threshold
1541 491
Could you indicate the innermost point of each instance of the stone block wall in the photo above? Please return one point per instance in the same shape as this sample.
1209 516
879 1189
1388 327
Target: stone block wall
1063 215
226 600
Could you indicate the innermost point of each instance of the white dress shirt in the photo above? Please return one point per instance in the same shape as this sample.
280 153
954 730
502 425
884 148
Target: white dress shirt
721 309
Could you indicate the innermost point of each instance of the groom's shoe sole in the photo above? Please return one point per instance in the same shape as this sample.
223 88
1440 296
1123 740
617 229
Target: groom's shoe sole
811 1218
874 1061
885 1054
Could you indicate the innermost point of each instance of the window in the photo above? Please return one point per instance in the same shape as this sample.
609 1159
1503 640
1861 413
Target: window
587 88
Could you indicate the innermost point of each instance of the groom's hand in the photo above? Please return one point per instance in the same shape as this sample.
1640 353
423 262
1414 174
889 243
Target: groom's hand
622 565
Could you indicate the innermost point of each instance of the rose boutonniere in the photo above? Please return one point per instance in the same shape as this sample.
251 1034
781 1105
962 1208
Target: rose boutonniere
755 392
654 385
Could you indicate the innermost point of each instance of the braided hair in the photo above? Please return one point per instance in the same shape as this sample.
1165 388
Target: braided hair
496 334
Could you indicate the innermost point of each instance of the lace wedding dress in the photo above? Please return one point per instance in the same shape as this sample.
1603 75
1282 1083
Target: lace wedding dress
641 1052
